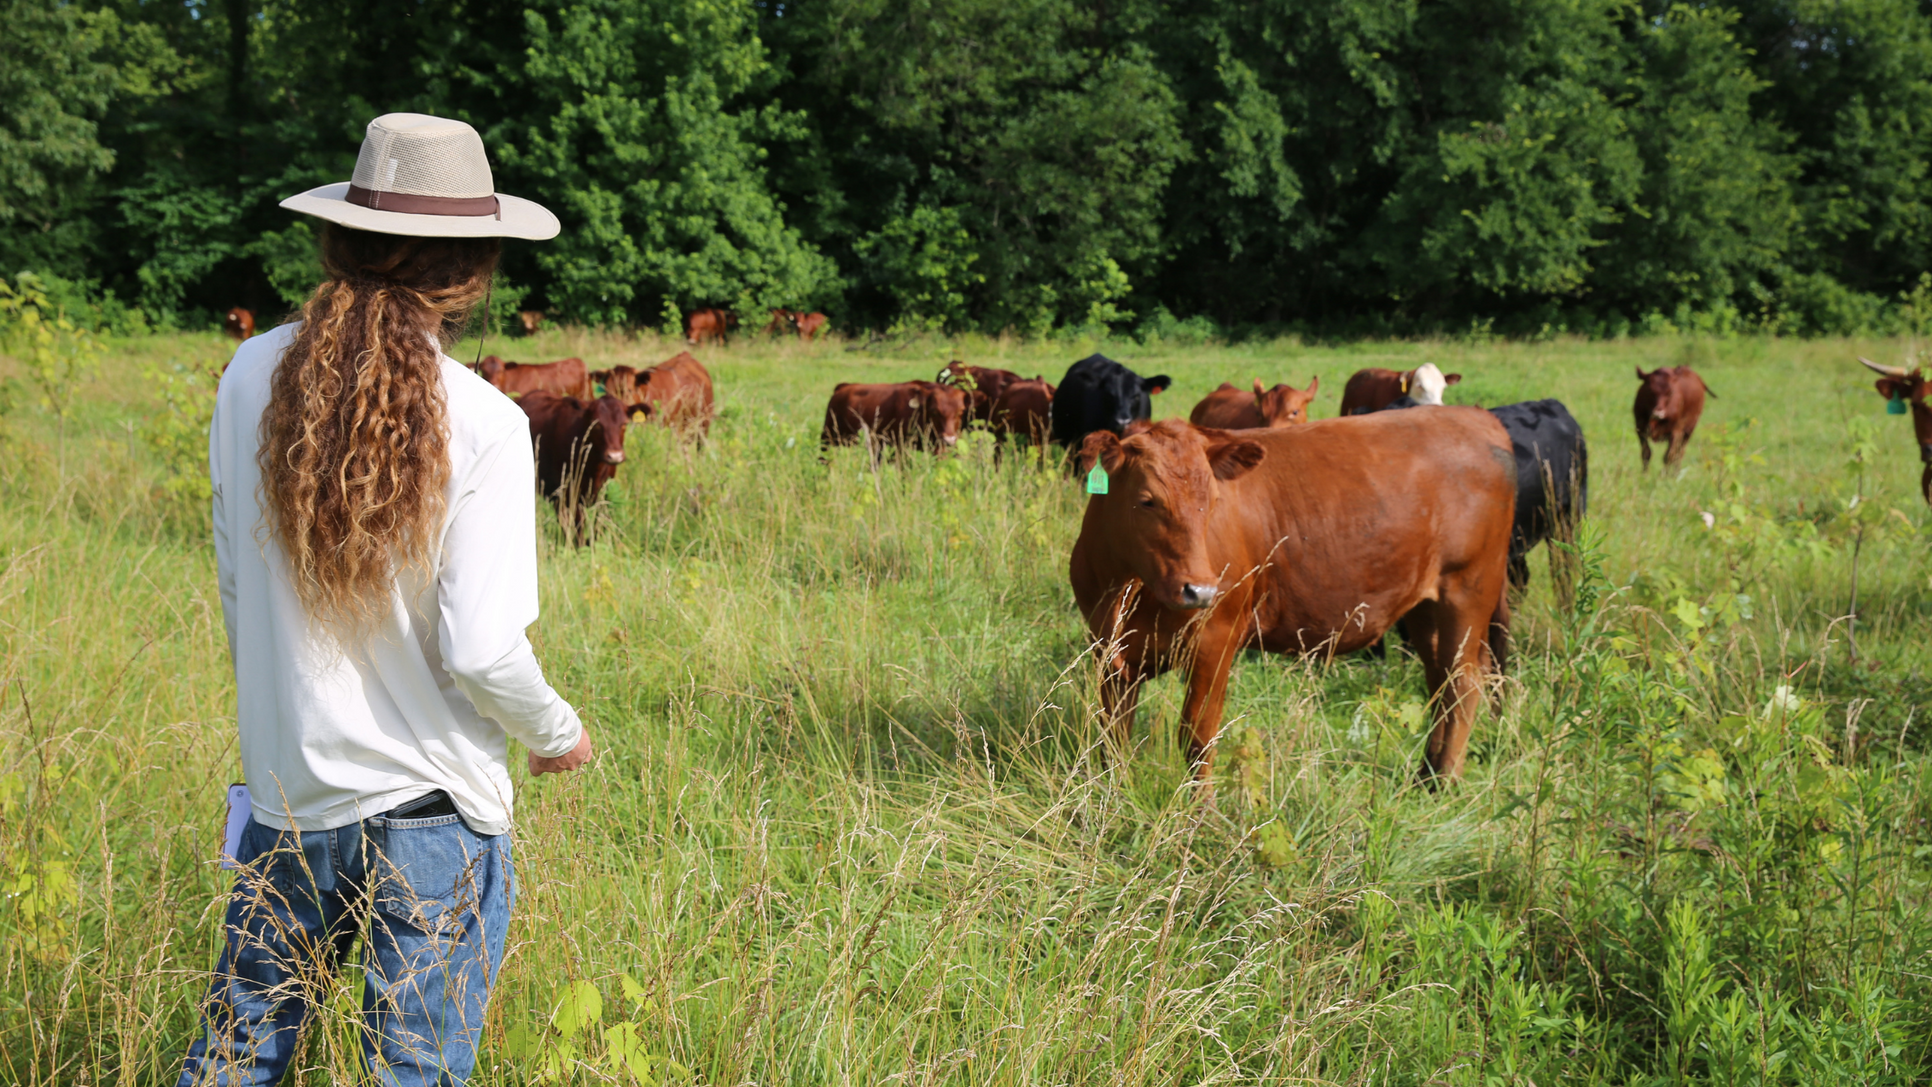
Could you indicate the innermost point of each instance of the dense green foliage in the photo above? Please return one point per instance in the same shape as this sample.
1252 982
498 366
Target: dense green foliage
1528 166
850 823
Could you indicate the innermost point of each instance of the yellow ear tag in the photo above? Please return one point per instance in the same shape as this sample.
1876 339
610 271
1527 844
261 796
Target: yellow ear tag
1097 479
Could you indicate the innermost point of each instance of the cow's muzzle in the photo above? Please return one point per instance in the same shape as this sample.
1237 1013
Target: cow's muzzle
613 458
1198 596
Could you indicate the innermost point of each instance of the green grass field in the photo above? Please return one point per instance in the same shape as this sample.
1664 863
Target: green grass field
848 824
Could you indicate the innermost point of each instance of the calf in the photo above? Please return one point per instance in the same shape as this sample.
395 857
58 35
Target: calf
1101 394
1306 539
708 324
1669 403
783 321
1899 383
1230 408
921 414
579 445
677 393
1024 407
809 325
565 377
1373 388
239 323
531 319
981 383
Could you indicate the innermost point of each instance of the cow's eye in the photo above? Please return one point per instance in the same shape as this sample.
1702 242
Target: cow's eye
1147 502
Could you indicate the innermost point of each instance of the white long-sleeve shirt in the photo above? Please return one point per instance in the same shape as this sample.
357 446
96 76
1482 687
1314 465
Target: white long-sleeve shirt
331 734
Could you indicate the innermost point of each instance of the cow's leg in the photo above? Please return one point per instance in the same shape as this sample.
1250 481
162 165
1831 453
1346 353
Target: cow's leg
1643 441
1675 451
1498 643
1207 693
1453 669
1119 699
1519 571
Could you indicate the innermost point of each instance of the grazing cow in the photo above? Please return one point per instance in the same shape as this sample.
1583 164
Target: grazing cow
1899 383
921 414
1372 389
708 324
1552 475
677 393
1230 408
240 323
565 377
782 321
532 320
1024 407
1210 541
579 445
809 325
1101 394
981 383
1669 403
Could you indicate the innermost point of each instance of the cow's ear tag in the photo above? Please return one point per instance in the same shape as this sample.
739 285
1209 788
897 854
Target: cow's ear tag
1895 406
1097 479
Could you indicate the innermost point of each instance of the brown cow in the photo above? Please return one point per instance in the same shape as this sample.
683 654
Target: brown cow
982 384
1306 539
618 381
1374 388
565 377
804 325
532 320
921 414
240 323
1230 408
579 445
1024 407
1909 385
1669 403
708 324
677 393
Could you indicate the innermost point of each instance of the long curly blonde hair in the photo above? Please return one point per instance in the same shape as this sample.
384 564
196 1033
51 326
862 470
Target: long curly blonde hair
354 449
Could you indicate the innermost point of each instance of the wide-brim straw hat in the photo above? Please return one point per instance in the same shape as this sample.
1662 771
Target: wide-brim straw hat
426 177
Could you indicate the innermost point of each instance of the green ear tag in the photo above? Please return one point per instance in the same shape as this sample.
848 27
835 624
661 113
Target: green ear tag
1097 479
1895 406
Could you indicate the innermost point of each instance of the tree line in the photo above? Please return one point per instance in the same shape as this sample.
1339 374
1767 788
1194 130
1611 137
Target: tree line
1178 169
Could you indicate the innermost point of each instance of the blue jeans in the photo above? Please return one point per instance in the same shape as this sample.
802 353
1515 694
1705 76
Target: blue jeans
431 901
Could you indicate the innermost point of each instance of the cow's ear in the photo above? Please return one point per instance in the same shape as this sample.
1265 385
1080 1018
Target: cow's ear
1314 383
1641 376
1451 379
1233 459
635 410
1156 383
1101 447
1888 387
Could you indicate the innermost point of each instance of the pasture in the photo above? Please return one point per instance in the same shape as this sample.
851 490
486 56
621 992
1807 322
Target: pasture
850 822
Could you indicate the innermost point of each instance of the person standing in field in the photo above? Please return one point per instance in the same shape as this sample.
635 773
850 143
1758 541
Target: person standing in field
375 534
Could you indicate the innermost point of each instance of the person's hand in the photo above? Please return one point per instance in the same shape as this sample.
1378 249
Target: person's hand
570 760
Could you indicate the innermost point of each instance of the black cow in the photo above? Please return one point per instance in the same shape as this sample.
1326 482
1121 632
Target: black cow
1552 475
1101 394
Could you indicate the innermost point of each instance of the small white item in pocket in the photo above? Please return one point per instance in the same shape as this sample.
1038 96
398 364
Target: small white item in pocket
238 811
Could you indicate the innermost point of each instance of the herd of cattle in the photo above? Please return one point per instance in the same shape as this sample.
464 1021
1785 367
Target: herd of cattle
1248 526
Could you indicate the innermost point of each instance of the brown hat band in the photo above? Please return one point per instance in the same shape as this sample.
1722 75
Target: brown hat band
405 203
